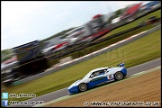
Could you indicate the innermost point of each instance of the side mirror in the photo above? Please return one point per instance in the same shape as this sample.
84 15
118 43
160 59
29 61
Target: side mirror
121 65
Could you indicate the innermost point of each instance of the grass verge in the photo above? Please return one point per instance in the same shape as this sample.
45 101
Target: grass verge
111 41
133 24
100 45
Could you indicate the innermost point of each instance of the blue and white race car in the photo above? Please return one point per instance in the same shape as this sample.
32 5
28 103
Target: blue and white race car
97 77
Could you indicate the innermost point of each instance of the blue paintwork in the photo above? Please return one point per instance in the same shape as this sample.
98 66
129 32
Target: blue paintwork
124 71
98 80
74 89
92 83
150 4
121 65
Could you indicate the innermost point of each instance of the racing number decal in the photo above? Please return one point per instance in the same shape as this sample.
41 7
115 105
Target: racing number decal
110 76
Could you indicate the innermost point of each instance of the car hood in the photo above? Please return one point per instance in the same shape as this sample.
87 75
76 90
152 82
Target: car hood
76 83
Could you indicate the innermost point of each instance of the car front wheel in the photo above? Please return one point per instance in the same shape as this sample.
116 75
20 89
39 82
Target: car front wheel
119 76
83 87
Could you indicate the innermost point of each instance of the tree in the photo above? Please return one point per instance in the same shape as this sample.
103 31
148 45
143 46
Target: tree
118 12
111 18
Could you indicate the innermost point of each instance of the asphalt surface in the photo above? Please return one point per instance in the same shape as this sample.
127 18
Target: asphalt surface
63 92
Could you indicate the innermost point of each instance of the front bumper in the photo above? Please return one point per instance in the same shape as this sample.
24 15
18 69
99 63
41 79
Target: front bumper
73 90
124 71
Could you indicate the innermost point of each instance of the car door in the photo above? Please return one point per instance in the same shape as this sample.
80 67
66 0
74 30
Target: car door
98 78
110 74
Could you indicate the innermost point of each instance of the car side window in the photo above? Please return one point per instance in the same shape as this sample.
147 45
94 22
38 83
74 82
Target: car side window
94 74
106 70
102 72
97 73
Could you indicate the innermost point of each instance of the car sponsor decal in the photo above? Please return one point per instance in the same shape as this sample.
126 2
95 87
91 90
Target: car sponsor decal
110 77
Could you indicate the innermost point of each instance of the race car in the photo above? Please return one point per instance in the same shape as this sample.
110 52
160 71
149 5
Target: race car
98 77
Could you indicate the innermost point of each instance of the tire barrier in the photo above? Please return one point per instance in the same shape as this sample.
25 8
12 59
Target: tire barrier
86 57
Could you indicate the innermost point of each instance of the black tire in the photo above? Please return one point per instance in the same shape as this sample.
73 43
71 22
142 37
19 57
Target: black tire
83 87
118 76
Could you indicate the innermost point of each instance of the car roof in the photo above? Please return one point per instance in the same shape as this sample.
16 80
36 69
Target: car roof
97 69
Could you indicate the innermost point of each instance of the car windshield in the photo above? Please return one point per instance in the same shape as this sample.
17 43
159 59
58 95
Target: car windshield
87 76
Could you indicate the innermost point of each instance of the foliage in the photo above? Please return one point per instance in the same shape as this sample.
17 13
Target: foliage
6 54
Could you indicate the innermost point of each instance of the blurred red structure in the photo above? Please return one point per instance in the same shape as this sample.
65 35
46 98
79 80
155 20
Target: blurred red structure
131 11
97 16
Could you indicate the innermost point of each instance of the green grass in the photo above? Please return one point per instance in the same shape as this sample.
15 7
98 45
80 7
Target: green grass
108 42
137 52
100 45
137 22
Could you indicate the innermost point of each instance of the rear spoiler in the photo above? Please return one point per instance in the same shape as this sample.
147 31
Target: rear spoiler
121 65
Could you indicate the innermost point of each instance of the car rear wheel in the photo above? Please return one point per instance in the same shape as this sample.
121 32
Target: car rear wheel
83 87
119 76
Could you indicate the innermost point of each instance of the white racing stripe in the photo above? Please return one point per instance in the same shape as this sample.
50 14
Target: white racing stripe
144 72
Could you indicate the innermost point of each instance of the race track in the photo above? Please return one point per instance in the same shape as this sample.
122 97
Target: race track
64 92
133 70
